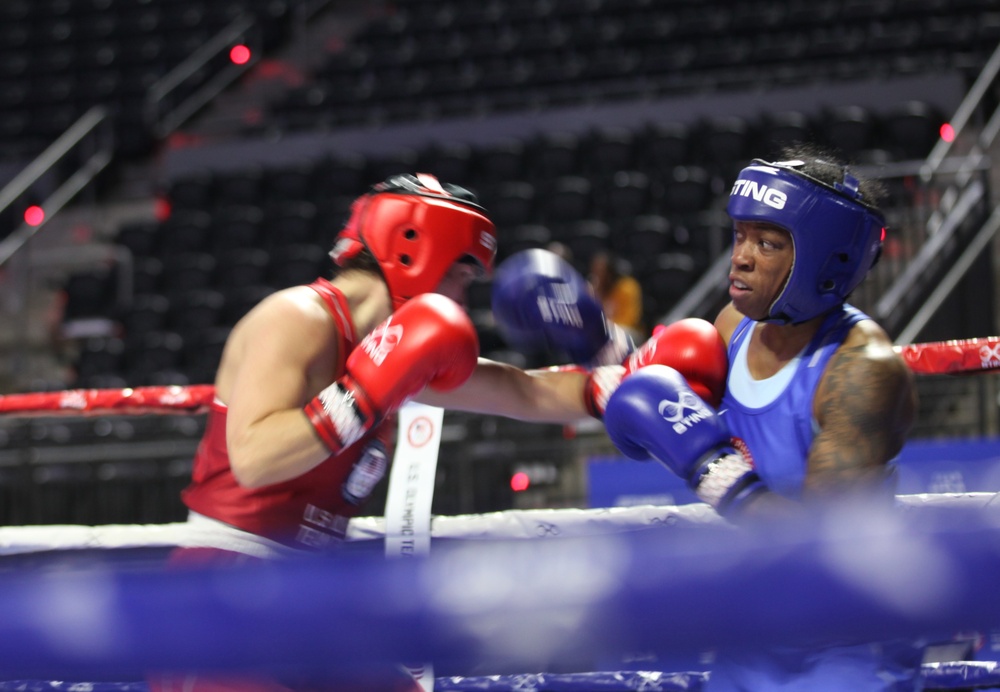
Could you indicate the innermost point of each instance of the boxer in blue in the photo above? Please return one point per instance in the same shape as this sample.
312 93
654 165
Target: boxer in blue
816 403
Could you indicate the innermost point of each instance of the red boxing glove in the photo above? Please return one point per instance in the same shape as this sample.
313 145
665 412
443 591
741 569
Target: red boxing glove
429 341
693 347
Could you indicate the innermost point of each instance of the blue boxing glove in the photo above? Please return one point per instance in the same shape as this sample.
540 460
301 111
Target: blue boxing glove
654 413
541 301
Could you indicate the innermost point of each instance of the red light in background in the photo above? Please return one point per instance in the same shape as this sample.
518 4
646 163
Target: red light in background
162 209
519 481
239 54
947 132
34 215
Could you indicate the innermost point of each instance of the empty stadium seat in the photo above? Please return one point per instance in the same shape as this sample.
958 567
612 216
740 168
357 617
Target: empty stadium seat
567 198
627 193
688 189
511 203
523 237
147 275
236 226
612 149
911 129
784 128
725 140
202 354
450 162
501 161
187 271
555 154
643 238
290 223
98 357
665 279
88 294
194 311
192 191
665 144
584 237
283 184
241 299
146 312
185 231
240 266
149 353
292 265
849 128
139 237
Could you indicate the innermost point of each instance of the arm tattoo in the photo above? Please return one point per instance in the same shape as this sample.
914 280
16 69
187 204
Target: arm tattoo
865 405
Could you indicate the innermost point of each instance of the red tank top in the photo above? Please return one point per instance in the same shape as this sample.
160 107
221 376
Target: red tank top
310 511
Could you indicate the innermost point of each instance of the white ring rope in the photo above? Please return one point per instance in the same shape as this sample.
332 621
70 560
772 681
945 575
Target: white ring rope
509 524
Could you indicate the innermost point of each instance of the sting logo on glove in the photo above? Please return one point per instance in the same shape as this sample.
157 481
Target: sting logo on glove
558 311
381 341
674 411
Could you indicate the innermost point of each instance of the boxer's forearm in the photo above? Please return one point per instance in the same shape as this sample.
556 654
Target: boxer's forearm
541 396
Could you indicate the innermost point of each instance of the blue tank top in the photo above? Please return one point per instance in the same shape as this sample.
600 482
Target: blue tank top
774 417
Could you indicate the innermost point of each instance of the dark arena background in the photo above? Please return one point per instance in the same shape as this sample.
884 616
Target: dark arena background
165 164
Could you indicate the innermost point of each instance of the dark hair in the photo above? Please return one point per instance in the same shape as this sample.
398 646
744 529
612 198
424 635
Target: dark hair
617 266
825 166
364 261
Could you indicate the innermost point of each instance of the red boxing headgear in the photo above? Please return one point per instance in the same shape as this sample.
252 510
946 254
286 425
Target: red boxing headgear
417 228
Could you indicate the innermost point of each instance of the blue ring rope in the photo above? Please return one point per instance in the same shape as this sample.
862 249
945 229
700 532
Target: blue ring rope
851 573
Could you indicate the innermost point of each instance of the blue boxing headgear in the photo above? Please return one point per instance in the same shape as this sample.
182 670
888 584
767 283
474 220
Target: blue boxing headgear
836 235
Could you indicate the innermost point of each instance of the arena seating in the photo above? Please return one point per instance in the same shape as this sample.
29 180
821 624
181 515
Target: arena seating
60 57
433 59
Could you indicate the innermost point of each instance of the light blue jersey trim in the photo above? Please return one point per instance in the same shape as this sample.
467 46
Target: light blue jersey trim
774 417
